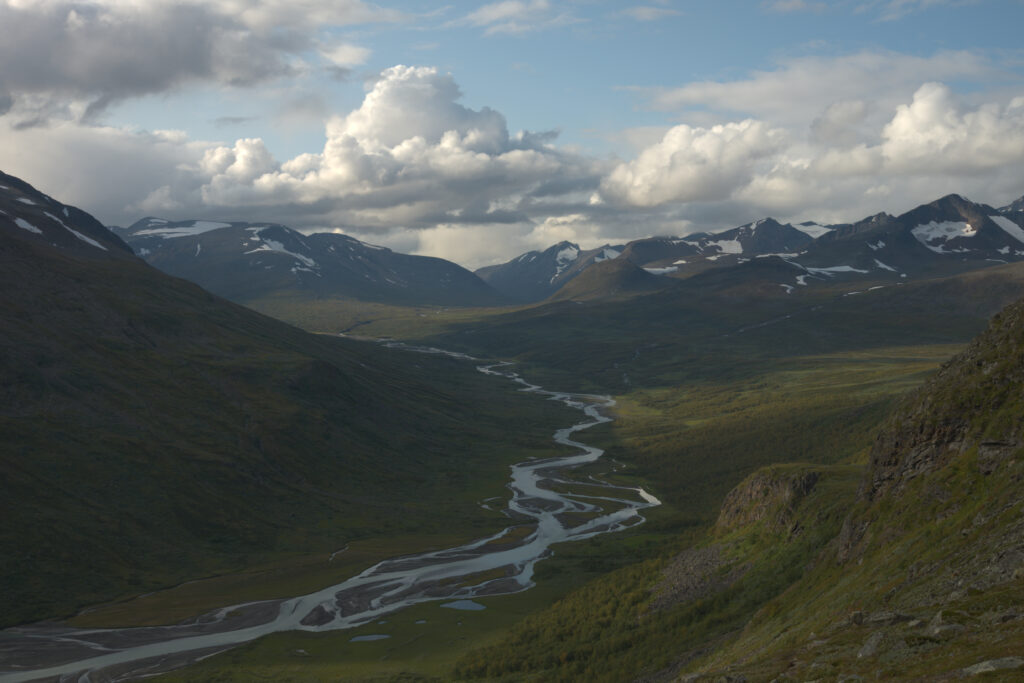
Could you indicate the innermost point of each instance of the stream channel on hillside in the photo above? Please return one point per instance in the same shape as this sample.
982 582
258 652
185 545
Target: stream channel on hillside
54 652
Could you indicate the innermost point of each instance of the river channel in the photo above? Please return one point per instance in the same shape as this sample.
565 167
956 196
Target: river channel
505 562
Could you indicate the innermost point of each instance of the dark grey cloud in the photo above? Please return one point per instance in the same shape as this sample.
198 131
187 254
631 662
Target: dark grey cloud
55 53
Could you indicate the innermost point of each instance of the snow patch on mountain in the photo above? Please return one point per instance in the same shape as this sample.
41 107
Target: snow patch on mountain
568 255
1011 228
564 258
26 200
942 232
812 229
25 225
197 228
607 255
88 240
275 246
832 270
728 246
883 266
662 271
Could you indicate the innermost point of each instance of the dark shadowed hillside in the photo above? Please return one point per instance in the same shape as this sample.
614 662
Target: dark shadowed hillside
154 432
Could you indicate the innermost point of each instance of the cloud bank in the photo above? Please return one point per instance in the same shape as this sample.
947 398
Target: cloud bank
412 167
73 59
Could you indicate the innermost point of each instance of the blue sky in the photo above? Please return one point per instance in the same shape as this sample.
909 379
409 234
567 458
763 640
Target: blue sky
400 122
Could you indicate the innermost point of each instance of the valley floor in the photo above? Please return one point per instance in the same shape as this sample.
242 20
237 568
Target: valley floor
692 444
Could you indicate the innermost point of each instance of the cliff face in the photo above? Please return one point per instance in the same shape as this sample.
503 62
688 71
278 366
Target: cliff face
962 432
974 403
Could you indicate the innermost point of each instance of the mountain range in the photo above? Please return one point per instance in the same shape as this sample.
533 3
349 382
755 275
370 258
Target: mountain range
251 262
246 261
949 235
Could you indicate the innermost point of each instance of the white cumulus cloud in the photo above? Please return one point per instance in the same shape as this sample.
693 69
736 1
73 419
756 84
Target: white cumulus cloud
691 164
935 132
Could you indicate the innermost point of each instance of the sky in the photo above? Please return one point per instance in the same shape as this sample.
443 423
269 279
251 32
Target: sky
476 131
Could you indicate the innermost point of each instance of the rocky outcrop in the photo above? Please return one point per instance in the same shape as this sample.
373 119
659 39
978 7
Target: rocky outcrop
972 405
769 494
968 413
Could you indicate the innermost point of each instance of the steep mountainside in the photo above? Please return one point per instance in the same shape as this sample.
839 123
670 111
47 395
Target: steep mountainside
926 578
153 432
536 275
609 278
247 261
39 218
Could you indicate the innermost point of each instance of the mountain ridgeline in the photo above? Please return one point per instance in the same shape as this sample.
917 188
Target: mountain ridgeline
252 263
947 236
246 262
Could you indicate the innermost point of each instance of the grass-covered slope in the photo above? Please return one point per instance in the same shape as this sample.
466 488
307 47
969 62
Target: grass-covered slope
612 278
909 567
654 616
154 433
925 581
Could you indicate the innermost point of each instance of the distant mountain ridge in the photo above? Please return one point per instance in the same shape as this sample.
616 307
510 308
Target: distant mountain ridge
536 275
949 235
245 261
249 261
